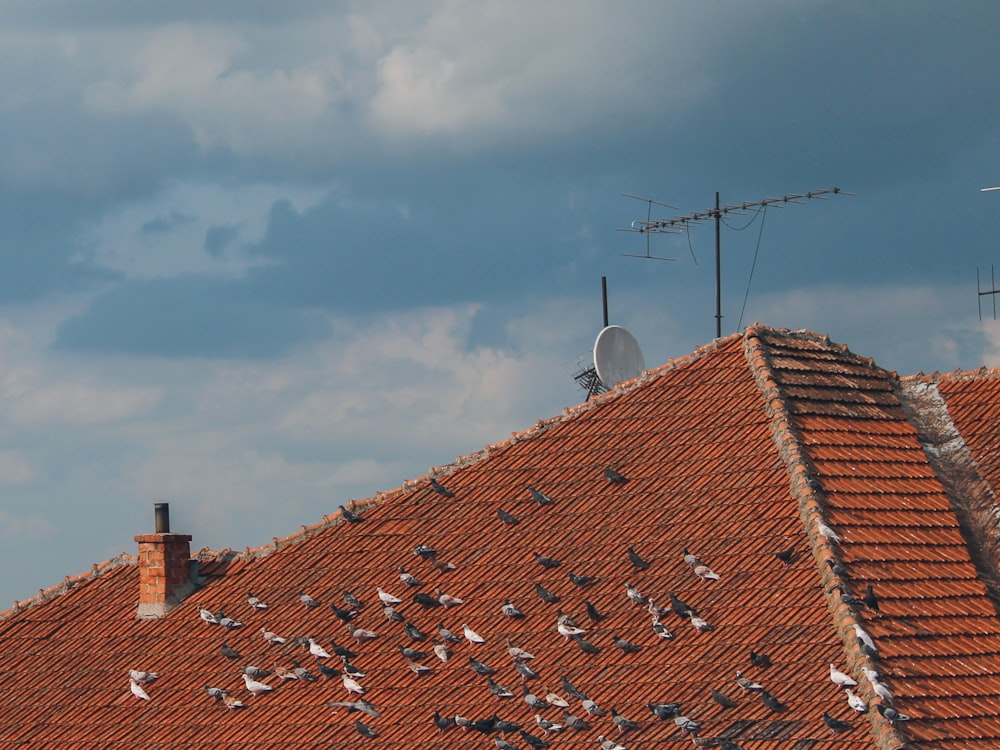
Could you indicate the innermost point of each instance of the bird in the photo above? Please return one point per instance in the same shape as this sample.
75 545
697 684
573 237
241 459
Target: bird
723 700
510 610
143 678
413 632
592 708
532 700
688 725
386 598
307 600
471 635
228 622
411 653
636 559
328 672
545 595
877 687
891 713
408 579
215 692
554 699
361 634
547 726
580 580
661 630
440 488
835 724
446 635
840 679
364 730
569 631
664 711
747 685
607 744
351 685
539 497
614 477
231 702
633 594
526 672
284 673
574 722
392 615
447 600
700 624
350 516
419 669
870 599
771 702
865 638
302 673
256 672
480 668
443 723
680 608
137 690
592 612
498 690
570 689
426 600
626 647
586 646
316 650
855 701
759 660
352 601
504 727
508 518
230 653
546 562
871 653
786 555
705 573
536 742
623 724
518 654
359 705
424 551
207 616
826 532
344 615
254 601
503 744
256 687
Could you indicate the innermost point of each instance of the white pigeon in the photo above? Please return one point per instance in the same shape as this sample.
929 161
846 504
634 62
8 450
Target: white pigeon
271 637
137 690
388 598
360 634
700 624
881 690
569 631
255 686
862 634
471 635
352 685
207 616
607 744
855 701
441 651
255 602
827 532
318 651
518 654
633 594
706 573
554 699
143 678
840 679
447 600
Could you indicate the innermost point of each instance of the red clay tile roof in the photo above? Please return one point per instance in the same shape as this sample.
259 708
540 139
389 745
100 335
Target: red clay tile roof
736 452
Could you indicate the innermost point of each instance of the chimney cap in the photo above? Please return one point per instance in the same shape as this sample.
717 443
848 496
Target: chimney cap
161 516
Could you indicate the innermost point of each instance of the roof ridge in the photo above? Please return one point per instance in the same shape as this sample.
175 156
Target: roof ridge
69 582
957 374
806 492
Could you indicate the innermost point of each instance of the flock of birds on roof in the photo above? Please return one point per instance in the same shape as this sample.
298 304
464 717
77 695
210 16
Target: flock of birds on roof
565 625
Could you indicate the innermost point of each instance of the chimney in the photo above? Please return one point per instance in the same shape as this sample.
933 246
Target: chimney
164 567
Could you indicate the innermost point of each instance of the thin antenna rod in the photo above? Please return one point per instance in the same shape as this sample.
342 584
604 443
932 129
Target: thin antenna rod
718 269
604 298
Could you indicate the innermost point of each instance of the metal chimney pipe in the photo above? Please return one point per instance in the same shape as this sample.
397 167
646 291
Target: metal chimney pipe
161 512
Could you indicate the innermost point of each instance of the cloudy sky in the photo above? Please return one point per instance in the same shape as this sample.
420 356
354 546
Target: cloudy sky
257 258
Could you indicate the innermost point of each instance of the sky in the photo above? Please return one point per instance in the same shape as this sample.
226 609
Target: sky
258 259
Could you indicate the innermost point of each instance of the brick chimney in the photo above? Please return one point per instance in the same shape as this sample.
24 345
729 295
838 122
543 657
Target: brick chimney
165 567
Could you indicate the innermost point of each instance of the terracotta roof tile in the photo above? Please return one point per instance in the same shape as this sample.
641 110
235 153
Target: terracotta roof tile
734 452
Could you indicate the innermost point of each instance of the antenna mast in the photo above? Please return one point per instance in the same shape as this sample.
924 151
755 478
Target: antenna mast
679 223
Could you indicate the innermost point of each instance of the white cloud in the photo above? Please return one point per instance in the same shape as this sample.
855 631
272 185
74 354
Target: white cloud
34 527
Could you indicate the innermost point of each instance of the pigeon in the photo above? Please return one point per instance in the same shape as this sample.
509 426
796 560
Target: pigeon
447 600
328 672
215 692
724 700
426 600
256 672
840 679
255 687
626 647
411 653
569 631
759 660
867 650
143 678
386 598
700 624
447 636
539 497
623 724
479 668
227 622
835 724
826 532
441 489
231 702
725 744
547 726
352 601
555 699
424 551
633 595
307 600
507 518
592 708
870 599
207 616
518 654
545 595
462 722
361 634
511 610
855 701
664 711
443 723
441 651
526 672
837 569
688 725
592 612
230 653
498 690
392 615
581 581
318 651
471 635
891 714
747 685
443 566
877 687
574 722
254 601
705 573
359 705
546 562
614 477
607 744
681 609
341 651
503 744
408 579
344 615
637 562
504 727
586 646
863 637
661 630
364 730
570 689
419 669
532 700
302 673
350 516
137 690
351 685
284 673
786 555
771 702
349 669
413 632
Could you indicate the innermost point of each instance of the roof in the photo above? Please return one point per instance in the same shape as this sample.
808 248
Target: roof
753 445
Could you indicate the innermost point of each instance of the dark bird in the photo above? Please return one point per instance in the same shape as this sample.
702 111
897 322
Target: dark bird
725 744
626 647
536 742
498 690
539 497
352 601
479 668
870 599
837 568
664 711
835 724
680 608
413 632
592 612
328 672
230 653
759 660
526 672
364 730
503 744
771 702
867 649
637 560
623 724
341 651
424 551
723 700
426 600
503 726
483 726
441 489
443 723
350 516
586 646
786 555
411 653
507 518
571 690
614 477
545 595
344 615
546 562
574 722
581 581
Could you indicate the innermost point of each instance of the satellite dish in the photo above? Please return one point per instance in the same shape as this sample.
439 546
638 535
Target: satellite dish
617 356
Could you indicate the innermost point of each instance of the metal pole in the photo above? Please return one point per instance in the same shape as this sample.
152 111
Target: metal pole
604 298
718 269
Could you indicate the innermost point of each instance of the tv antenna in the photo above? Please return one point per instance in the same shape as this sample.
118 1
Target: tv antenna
992 292
684 222
642 226
616 358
